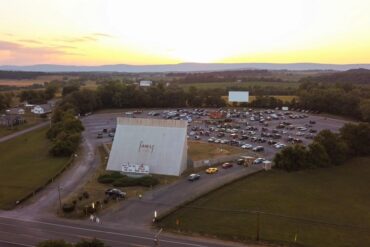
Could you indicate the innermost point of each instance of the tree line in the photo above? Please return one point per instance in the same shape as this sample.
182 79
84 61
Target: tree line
327 149
341 99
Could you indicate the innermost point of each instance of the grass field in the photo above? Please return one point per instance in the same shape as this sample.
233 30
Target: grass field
201 150
25 165
337 195
210 85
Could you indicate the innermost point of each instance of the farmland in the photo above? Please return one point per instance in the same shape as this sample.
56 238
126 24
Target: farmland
322 207
241 85
25 165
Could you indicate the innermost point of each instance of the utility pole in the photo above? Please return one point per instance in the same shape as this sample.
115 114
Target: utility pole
258 226
60 201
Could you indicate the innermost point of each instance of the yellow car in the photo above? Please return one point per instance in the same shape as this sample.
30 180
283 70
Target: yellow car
211 170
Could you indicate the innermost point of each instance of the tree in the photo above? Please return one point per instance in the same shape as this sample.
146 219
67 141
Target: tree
292 158
365 110
334 146
357 138
70 89
317 156
54 243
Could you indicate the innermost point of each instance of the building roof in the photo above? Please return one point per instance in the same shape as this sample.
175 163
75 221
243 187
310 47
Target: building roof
152 122
14 111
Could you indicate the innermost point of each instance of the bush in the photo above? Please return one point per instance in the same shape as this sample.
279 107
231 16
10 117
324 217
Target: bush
68 207
147 181
86 195
125 182
104 179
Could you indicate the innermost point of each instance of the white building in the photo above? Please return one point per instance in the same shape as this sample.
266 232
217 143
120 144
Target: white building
41 109
145 83
154 146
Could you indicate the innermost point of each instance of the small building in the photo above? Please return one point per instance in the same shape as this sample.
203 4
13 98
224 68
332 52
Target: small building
15 111
41 109
145 83
11 120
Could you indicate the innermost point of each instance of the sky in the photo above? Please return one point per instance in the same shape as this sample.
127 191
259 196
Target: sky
97 32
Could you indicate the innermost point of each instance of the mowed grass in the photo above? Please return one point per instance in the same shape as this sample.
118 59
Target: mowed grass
211 85
25 165
202 150
338 195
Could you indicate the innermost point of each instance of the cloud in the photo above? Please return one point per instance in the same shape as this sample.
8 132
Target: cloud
5 45
30 41
86 38
102 35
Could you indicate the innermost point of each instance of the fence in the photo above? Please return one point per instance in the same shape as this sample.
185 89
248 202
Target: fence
243 225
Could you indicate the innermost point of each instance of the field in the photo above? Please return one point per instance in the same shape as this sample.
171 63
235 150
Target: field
201 150
322 207
25 165
246 85
29 82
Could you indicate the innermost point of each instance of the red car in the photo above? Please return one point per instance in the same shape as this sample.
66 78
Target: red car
227 165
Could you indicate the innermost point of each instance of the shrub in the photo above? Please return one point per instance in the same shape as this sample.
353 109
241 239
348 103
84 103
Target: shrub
86 195
68 207
147 181
104 179
125 182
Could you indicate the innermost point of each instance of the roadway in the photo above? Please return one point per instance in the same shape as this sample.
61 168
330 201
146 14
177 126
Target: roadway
16 232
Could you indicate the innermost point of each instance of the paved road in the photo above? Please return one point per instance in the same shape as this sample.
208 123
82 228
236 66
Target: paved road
14 232
138 213
21 132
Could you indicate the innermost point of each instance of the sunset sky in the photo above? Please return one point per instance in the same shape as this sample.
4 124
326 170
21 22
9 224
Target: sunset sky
95 32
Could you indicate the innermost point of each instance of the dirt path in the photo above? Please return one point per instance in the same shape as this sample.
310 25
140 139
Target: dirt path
22 132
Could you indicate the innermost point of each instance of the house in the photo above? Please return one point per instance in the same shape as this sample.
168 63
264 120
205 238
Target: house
11 120
41 109
145 83
15 111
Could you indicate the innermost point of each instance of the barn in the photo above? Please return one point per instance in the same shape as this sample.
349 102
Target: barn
154 146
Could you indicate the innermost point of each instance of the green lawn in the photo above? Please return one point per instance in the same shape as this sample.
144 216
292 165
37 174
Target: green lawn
24 165
338 195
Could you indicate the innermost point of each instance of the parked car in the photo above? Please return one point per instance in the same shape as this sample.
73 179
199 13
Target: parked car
258 149
212 170
240 162
111 134
227 165
115 193
247 146
258 161
100 135
193 177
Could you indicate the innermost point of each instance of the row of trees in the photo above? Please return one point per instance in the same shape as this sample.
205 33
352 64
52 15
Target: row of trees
62 243
5 100
65 131
341 99
39 96
327 149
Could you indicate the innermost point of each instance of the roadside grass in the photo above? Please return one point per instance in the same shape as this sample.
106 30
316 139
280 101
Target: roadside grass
246 85
25 164
97 190
31 121
337 195
201 150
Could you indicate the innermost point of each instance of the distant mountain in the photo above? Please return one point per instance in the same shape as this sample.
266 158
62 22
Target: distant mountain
361 76
183 67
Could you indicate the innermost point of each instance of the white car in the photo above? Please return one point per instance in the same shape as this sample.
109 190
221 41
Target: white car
217 141
279 145
247 146
259 161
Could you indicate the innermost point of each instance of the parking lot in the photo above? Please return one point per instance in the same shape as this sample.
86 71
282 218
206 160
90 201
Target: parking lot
269 129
